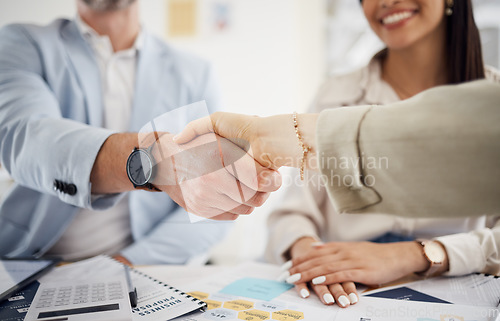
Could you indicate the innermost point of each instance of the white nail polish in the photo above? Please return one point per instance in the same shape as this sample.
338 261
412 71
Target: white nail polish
286 266
353 297
319 280
328 298
304 293
317 244
343 301
283 276
293 278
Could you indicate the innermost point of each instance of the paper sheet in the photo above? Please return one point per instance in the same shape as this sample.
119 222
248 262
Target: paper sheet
473 289
287 306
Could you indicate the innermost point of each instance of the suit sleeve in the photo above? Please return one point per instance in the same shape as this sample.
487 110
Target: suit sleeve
437 152
38 145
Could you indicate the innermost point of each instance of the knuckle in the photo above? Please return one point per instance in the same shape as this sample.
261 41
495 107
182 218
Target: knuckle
260 199
331 267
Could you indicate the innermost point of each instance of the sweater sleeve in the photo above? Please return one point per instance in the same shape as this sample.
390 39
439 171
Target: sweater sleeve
437 152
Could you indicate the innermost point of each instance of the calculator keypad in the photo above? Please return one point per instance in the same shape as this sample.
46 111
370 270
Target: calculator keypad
80 294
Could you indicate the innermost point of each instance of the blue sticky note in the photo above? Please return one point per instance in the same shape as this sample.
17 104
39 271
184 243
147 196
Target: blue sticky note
259 289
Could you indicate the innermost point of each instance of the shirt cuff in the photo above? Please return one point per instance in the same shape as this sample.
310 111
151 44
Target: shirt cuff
465 254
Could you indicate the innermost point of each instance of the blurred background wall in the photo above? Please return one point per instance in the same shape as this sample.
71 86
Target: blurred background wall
270 57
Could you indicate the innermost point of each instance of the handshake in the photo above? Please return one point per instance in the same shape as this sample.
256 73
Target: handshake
225 165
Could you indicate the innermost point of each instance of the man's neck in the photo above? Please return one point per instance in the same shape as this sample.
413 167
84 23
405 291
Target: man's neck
121 26
419 67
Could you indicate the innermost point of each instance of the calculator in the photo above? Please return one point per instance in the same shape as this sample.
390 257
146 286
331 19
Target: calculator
73 301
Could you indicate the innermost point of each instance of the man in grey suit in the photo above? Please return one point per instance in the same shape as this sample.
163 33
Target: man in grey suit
73 95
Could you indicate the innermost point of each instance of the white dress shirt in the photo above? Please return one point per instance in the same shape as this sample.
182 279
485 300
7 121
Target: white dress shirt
105 232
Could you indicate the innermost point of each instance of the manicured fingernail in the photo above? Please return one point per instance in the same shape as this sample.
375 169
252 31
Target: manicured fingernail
304 293
328 298
316 244
176 137
353 297
283 276
319 279
286 266
293 278
343 301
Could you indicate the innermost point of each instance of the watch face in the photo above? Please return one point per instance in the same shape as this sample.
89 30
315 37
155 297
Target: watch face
434 252
139 167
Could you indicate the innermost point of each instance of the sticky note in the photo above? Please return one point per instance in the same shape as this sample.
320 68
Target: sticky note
259 289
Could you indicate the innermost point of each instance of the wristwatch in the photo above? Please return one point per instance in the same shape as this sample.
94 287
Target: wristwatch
434 253
141 167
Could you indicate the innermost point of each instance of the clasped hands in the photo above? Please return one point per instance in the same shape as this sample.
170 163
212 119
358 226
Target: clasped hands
224 165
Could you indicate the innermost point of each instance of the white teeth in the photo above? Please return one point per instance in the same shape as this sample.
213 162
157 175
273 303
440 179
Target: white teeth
396 17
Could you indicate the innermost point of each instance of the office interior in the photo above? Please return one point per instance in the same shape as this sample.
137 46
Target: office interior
270 56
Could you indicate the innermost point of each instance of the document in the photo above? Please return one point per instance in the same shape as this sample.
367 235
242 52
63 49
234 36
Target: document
249 292
377 309
474 289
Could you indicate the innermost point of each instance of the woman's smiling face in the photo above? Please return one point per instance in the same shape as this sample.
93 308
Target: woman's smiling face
402 23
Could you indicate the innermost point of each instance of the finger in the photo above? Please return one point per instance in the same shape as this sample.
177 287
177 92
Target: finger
193 129
350 289
207 202
339 294
317 250
323 270
319 265
302 290
354 275
224 217
238 192
258 200
324 294
241 165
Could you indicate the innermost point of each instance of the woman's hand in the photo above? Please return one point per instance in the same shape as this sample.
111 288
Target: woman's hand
363 262
344 293
270 140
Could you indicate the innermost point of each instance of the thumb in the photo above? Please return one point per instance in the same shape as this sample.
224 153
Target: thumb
194 129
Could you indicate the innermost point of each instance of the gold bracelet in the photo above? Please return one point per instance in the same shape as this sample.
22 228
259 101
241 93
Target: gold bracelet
305 149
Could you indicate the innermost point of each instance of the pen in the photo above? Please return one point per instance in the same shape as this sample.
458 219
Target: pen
132 291
498 311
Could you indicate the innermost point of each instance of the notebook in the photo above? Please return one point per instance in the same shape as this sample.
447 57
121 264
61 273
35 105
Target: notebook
159 301
97 289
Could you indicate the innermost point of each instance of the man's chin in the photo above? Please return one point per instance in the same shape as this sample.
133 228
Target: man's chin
108 5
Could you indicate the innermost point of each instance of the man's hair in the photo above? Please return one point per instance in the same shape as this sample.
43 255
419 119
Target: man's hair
108 5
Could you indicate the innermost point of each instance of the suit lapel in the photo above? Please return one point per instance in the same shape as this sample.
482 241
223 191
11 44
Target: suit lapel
82 59
152 68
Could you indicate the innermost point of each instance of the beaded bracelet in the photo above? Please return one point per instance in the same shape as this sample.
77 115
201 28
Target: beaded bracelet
305 149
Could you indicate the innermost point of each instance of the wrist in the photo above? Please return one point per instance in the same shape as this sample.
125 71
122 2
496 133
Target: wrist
435 256
301 245
109 173
279 143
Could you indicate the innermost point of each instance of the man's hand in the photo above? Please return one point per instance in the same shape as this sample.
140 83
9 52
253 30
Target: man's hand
211 177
